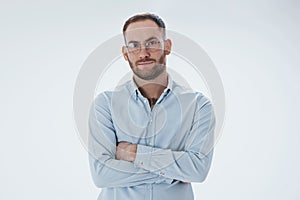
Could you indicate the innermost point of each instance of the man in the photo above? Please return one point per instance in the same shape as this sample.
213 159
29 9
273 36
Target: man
149 138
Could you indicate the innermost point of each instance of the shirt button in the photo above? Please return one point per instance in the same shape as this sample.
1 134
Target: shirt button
161 173
141 163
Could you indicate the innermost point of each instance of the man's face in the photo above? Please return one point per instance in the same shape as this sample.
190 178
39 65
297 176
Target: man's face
146 49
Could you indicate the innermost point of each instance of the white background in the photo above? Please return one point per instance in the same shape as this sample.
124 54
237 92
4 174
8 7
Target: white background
255 46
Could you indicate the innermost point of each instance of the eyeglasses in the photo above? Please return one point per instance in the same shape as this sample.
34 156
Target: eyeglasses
151 46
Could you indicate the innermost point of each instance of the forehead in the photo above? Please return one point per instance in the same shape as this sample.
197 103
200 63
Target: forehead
143 30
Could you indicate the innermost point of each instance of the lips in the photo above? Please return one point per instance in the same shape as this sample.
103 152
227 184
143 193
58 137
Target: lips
145 63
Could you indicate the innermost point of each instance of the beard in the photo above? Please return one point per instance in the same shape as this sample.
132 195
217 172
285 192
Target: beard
156 70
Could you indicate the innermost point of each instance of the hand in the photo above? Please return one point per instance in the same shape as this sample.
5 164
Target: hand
126 151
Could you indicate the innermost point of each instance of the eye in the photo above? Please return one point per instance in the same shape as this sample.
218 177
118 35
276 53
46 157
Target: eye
152 43
133 45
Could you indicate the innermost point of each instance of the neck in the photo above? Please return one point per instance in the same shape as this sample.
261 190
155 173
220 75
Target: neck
152 89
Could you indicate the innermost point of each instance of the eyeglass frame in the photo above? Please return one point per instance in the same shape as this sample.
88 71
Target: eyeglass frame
161 41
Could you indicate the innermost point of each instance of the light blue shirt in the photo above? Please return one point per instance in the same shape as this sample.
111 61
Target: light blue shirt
174 142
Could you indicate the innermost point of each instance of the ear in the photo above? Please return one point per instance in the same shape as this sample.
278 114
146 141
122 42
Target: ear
124 52
168 46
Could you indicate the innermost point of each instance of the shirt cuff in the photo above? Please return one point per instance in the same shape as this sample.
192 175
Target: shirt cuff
144 159
143 156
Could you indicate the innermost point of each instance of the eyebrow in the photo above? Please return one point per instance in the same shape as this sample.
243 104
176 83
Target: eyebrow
151 38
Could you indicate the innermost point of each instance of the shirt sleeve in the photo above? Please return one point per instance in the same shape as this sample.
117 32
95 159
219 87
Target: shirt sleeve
107 171
192 164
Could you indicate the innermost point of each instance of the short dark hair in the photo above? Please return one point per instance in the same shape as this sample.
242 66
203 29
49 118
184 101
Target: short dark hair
140 17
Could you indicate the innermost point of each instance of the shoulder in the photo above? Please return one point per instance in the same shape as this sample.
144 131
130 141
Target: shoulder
185 93
118 92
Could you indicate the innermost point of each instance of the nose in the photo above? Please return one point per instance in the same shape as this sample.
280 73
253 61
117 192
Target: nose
143 53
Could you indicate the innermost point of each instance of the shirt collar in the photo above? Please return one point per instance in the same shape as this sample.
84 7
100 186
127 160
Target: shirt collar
133 88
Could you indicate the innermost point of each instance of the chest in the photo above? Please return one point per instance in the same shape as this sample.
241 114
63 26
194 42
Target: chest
167 125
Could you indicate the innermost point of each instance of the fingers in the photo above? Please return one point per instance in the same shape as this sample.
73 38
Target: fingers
126 151
123 144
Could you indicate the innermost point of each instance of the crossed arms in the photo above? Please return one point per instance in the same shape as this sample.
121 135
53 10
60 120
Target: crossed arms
124 164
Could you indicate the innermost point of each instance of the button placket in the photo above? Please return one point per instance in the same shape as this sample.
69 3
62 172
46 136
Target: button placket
152 126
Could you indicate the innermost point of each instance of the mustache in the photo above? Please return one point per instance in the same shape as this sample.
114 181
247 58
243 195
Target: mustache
145 60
